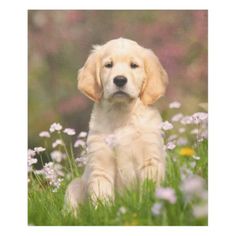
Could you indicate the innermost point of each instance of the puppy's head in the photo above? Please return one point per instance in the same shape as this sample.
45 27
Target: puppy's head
120 71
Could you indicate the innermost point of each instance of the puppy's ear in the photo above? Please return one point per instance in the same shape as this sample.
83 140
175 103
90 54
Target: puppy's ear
89 81
156 79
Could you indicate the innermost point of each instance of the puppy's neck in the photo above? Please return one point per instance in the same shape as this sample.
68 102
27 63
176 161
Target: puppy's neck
119 114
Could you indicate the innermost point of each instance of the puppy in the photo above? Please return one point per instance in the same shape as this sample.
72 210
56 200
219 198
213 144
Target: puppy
125 146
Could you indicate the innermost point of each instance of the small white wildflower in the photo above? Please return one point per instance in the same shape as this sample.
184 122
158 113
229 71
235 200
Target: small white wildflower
177 117
200 211
186 120
79 143
196 157
58 169
50 173
57 156
55 127
110 140
166 125
44 134
69 131
175 104
82 134
57 142
31 153
192 186
181 141
156 209
31 161
182 130
39 149
170 145
172 137
194 131
167 194
199 116
122 210
193 164
81 161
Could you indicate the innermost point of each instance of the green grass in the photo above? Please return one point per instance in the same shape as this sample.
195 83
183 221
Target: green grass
46 207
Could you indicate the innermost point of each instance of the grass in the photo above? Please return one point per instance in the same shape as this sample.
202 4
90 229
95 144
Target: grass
46 207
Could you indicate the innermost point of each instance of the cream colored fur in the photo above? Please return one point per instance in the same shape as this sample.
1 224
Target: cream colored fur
125 146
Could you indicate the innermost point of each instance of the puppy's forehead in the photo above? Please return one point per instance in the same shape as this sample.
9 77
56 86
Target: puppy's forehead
121 47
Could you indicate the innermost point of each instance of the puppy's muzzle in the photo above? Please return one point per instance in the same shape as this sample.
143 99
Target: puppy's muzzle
120 81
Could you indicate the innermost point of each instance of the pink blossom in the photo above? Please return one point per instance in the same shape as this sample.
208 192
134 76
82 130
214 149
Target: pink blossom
166 125
57 142
39 149
44 134
69 131
156 209
167 194
175 104
82 134
170 145
177 117
55 127
79 143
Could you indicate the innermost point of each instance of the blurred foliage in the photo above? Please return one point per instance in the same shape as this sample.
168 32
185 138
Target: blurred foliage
60 41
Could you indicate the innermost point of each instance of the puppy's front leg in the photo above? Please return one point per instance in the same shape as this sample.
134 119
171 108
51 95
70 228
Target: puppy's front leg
152 166
101 175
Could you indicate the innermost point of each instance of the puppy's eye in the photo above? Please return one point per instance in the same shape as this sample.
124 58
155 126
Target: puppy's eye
109 65
133 65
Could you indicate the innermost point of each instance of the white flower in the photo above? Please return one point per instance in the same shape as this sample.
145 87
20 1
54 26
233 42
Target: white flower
167 194
199 116
31 153
186 120
45 134
82 134
172 137
166 125
170 145
50 172
69 131
79 143
192 186
182 130
177 117
81 161
182 141
175 104
57 142
122 210
156 209
55 127
194 131
196 157
57 156
39 149
200 211
31 161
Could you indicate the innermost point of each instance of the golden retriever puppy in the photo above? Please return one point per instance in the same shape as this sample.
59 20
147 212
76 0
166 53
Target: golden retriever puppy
125 146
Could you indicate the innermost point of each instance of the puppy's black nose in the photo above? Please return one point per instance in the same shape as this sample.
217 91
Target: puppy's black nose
120 81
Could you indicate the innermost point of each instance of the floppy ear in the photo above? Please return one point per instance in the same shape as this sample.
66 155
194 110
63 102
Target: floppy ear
89 81
156 79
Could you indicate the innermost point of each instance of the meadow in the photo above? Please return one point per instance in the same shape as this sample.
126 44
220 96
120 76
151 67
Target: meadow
182 198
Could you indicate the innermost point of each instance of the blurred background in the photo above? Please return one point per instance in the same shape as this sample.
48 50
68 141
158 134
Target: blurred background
60 41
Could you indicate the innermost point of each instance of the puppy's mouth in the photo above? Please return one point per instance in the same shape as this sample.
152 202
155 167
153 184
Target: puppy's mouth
120 94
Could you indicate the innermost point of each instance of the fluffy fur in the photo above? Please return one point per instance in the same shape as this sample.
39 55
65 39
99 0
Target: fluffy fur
124 141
